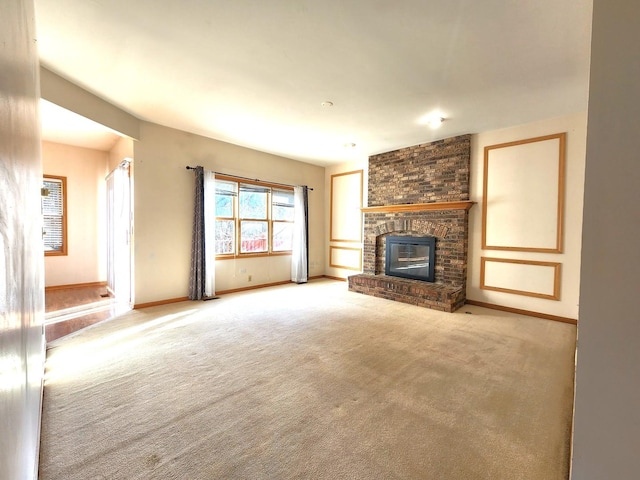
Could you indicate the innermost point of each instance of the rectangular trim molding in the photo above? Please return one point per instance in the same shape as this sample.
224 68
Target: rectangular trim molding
335 264
345 218
555 290
523 186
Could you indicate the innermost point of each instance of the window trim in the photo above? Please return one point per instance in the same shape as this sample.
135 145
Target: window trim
64 249
232 218
238 220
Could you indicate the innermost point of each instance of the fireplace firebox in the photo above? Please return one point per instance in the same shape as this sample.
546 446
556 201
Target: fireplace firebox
411 257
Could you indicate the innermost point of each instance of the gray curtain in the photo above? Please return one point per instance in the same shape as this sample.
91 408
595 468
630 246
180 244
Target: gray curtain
197 272
300 250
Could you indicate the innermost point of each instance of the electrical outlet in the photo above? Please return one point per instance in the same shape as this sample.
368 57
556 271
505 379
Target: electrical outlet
243 270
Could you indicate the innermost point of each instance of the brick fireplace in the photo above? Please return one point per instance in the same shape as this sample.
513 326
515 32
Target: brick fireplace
420 191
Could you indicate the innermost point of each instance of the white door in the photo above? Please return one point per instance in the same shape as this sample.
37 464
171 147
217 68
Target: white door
119 232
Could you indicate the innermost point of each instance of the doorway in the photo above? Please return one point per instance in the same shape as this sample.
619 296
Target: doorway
70 308
119 233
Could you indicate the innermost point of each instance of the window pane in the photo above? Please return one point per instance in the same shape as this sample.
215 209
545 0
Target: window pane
283 213
52 233
282 236
253 202
225 193
282 205
284 197
225 236
253 237
52 203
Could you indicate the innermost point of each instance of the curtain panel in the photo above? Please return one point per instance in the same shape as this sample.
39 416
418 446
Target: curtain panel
202 271
210 234
300 250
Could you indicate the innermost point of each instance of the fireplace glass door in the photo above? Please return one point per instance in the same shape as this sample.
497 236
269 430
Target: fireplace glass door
410 257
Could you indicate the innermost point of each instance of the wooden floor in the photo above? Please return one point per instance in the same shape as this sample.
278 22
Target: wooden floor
68 310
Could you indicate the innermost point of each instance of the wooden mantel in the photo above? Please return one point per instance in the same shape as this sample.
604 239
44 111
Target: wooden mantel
419 207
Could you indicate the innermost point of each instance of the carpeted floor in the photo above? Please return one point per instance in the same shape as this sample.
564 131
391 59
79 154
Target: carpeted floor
309 381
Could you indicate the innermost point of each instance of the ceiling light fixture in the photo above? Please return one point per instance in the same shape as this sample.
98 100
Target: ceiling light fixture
327 103
433 120
349 145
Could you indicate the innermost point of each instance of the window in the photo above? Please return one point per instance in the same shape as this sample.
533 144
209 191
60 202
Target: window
226 193
54 214
252 218
282 215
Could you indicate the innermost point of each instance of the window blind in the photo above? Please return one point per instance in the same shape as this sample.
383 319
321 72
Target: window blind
52 212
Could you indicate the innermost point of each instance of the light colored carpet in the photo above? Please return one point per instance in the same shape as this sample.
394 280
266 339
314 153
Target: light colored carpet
310 381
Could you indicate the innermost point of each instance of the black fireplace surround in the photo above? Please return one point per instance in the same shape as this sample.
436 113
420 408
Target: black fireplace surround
411 257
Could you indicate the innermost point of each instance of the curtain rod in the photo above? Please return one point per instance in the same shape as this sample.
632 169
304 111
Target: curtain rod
252 179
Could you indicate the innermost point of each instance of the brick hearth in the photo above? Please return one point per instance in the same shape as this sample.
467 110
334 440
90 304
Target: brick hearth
423 294
423 191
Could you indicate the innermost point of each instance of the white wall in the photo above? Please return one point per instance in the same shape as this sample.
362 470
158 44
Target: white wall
21 266
349 166
607 408
122 149
567 306
85 170
163 211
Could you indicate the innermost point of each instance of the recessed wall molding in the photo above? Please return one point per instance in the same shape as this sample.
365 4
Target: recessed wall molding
349 258
521 277
523 195
345 221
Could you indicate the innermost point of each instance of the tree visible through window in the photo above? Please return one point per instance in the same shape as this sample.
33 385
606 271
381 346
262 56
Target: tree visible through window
226 193
54 210
253 218
282 214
